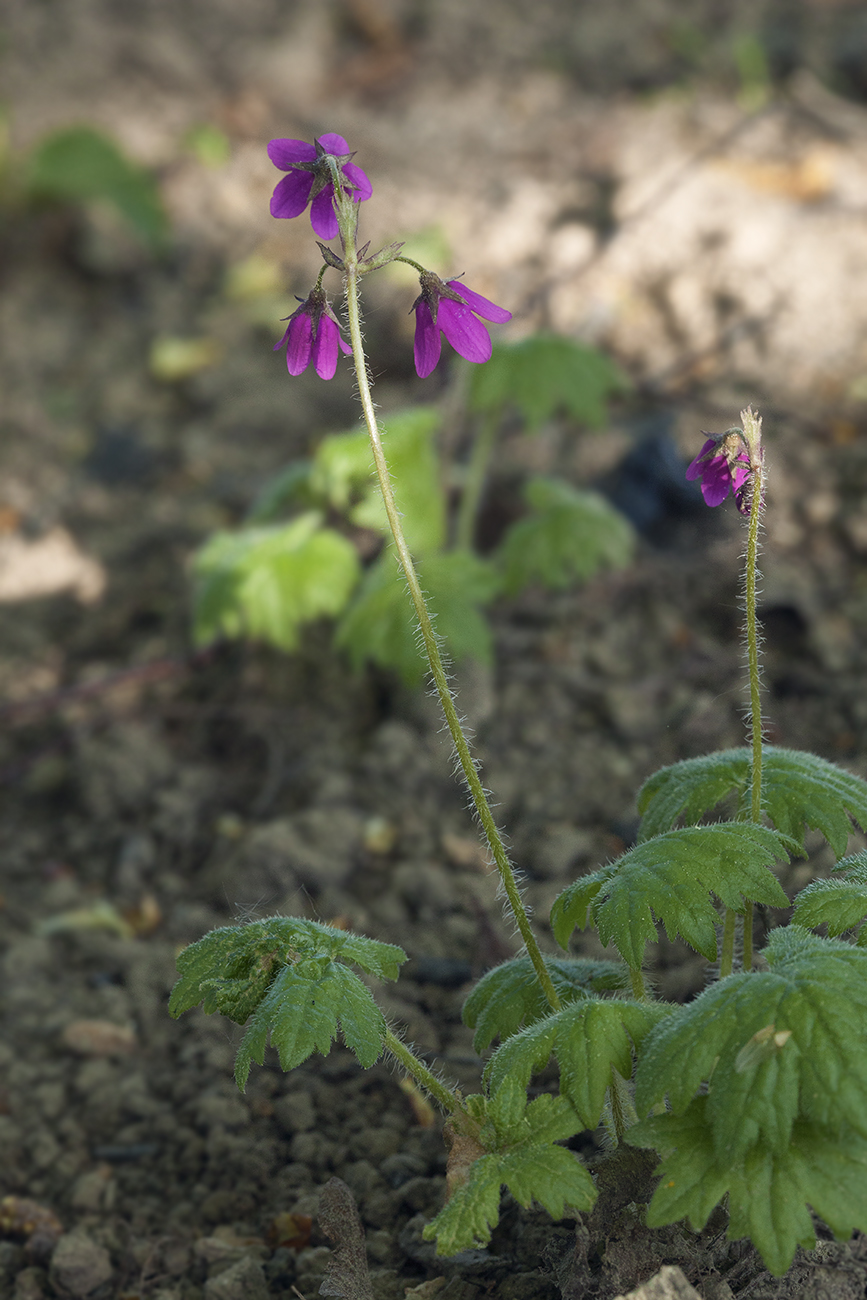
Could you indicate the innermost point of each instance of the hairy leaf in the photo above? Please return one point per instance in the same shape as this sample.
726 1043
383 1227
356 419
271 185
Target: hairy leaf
772 1047
798 790
285 976
840 902
589 1037
519 1139
769 1191
567 537
380 624
544 374
266 583
672 879
302 1011
79 164
510 994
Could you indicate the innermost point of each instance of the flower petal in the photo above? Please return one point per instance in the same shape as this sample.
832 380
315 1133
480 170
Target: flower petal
698 466
285 338
283 153
291 194
363 188
345 348
467 335
323 218
332 143
300 343
717 481
325 348
481 306
426 346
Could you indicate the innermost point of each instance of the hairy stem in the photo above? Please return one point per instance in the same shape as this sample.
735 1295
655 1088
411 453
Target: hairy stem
422 1075
639 992
465 758
621 1108
477 471
758 486
727 951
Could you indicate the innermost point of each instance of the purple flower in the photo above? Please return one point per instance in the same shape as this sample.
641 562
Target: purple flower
723 466
313 334
452 308
310 180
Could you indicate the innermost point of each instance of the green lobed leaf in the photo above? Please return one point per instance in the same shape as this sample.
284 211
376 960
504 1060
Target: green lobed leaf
79 164
839 902
798 790
589 1037
510 994
772 1047
285 975
380 624
342 476
568 536
303 1010
519 1137
769 1192
672 879
544 374
266 583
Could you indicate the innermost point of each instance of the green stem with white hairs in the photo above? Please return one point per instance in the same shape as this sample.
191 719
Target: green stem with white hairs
752 429
346 215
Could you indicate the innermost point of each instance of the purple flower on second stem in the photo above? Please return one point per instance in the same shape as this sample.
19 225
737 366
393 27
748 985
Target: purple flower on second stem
452 308
313 334
310 180
723 466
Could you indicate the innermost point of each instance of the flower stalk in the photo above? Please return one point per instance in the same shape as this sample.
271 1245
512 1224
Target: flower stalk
347 216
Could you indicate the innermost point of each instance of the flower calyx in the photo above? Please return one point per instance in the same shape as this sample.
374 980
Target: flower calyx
331 258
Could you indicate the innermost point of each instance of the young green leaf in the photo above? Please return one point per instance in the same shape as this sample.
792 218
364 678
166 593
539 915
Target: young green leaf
287 974
840 902
567 537
798 790
510 994
266 583
772 1047
589 1038
672 879
519 1139
769 1191
342 475
302 1011
78 164
290 487
380 625
544 374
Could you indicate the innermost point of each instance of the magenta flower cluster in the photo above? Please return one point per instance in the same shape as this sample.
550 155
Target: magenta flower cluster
313 333
723 466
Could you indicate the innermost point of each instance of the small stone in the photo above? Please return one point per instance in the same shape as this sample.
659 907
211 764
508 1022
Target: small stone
668 1284
29 1284
99 1038
79 1265
244 1280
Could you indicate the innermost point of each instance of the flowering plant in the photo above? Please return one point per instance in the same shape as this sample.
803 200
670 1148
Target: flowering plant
752 1098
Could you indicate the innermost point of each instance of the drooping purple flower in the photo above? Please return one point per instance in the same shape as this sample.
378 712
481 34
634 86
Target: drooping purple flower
313 334
723 466
309 180
452 308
